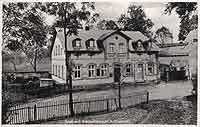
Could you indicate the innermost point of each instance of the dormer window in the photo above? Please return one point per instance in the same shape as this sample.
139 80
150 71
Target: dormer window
139 43
76 43
134 44
90 43
145 45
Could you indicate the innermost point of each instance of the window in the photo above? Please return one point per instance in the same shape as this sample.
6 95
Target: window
91 70
62 71
76 43
58 49
104 70
53 69
58 70
61 51
139 43
121 48
91 43
77 72
98 72
111 47
150 68
128 69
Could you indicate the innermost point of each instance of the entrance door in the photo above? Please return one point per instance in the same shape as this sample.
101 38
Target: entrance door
139 75
117 72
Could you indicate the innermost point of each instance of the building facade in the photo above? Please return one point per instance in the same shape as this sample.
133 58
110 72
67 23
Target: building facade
178 61
94 54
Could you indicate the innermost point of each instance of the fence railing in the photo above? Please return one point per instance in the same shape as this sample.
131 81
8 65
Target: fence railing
57 109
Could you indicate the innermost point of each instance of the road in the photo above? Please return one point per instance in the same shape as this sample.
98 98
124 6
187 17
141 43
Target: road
160 91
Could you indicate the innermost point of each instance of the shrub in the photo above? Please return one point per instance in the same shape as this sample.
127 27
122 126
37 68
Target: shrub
6 104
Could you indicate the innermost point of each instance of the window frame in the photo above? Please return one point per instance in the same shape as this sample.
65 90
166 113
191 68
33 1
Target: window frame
90 43
130 67
91 71
62 74
77 72
75 42
59 71
56 70
58 50
112 47
103 70
150 65
121 48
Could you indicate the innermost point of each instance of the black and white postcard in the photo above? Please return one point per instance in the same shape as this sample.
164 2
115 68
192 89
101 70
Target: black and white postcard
102 62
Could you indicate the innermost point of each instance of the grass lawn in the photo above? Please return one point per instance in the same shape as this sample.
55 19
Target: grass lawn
177 111
174 111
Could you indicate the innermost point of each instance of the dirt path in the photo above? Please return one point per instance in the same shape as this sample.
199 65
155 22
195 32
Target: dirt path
161 91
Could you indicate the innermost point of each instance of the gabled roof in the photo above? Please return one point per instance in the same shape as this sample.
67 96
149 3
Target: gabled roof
135 35
171 45
173 51
98 35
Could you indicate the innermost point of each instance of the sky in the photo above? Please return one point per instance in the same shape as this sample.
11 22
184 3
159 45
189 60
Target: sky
153 10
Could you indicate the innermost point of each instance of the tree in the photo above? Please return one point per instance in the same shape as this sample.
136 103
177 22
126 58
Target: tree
107 25
70 17
136 20
185 11
162 34
187 25
24 30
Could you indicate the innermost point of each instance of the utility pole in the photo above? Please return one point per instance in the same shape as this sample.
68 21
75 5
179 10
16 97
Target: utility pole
68 70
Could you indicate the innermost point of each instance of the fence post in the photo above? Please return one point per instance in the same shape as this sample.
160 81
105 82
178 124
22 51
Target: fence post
107 105
147 97
35 112
29 115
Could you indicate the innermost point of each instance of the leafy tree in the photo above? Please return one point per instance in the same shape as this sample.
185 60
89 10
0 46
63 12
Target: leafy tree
136 20
185 10
107 25
24 30
187 25
70 18
162 34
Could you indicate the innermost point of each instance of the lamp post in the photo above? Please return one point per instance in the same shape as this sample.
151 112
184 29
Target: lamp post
117 77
